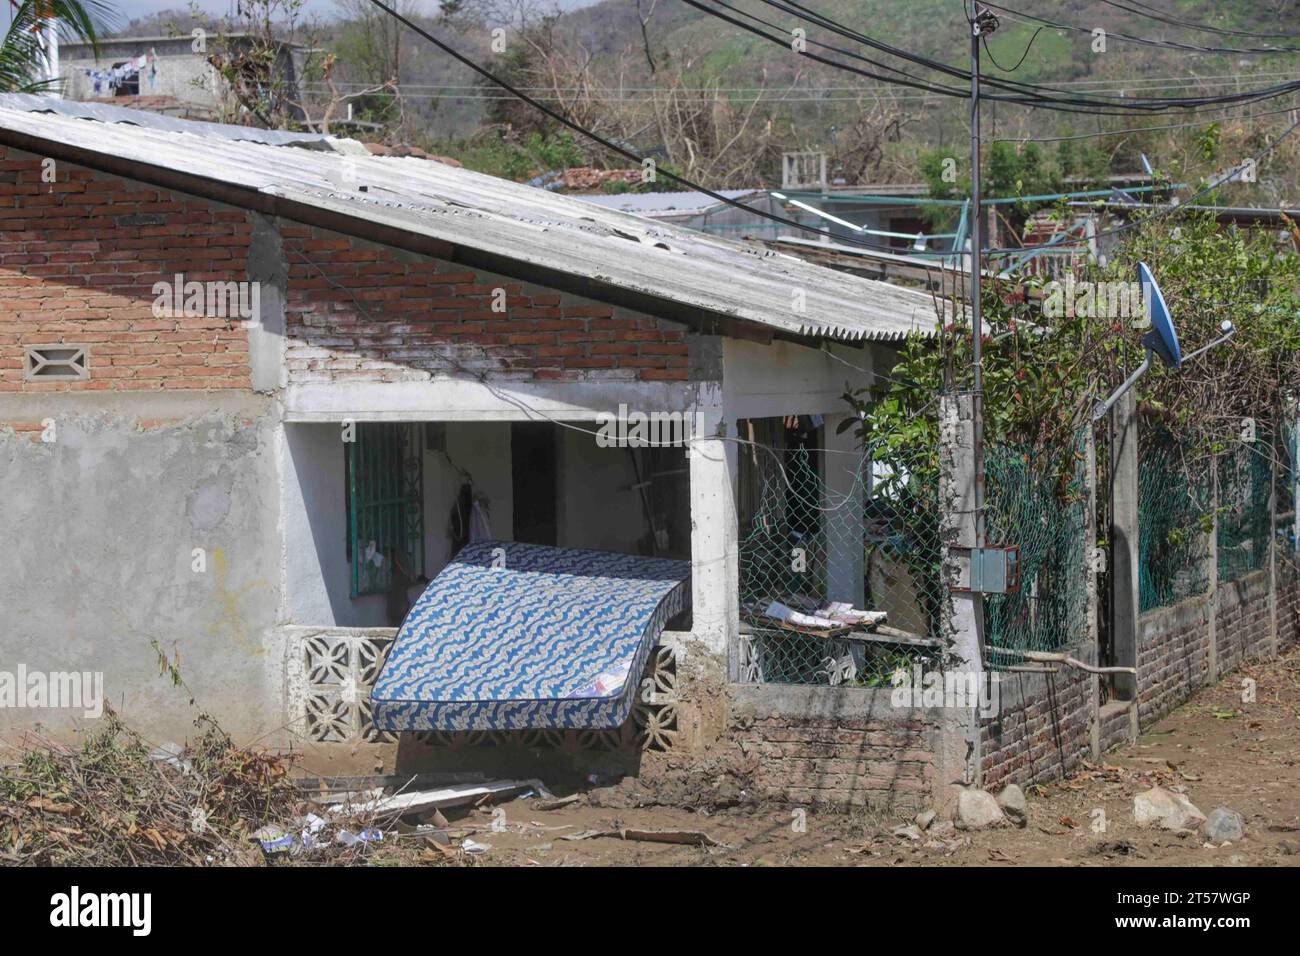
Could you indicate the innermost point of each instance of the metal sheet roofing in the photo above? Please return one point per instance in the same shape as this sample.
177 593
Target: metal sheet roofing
503 220
108 113
665 204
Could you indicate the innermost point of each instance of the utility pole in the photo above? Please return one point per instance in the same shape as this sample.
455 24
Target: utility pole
982 24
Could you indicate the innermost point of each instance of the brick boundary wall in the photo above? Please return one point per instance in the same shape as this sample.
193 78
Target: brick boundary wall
358 311
1244 633
851 748
1173 656
78 261
1288 601
1043 730
1114 725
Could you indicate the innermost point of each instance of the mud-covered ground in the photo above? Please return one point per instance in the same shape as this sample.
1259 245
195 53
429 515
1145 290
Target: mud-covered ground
1217 749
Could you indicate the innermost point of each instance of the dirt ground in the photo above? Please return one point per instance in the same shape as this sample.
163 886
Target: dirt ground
1215 748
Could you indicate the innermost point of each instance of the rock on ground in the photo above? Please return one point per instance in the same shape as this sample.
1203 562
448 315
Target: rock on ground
976 809
1012 802
1171 811
1224 826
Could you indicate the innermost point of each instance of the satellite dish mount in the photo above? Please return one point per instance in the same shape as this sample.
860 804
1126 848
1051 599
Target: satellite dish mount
1162 340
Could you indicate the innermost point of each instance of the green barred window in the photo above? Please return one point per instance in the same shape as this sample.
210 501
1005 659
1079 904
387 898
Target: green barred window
385 480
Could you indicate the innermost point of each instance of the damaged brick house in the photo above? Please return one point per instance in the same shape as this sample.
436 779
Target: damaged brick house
256 387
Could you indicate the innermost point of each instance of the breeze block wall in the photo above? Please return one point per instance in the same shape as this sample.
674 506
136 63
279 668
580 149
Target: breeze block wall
358 311
79 257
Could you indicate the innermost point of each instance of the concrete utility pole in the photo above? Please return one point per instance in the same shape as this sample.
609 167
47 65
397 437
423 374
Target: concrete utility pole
982 24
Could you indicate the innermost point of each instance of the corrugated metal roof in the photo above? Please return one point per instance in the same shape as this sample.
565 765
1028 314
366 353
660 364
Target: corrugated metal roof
664 204
498 218
108 113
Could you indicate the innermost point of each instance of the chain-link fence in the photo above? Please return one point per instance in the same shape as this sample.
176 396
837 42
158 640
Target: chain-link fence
820 526
1036 498
1288 457
1174 520
1244 531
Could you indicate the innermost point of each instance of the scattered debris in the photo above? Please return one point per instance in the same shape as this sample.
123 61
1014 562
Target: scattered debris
116 800
1115 848
909 832
453 796
557 804
687 837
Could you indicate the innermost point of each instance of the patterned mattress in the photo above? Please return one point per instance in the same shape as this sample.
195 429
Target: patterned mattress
515 636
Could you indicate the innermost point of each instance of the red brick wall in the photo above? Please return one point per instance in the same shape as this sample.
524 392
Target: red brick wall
1173 656
1243 631
78 261
1288 600
839 760
361 312
1043 730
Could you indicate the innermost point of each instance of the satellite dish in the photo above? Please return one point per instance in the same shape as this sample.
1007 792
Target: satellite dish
1163 338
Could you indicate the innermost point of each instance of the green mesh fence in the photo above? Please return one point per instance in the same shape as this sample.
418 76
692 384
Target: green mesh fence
1036 498
1289 465
1244 523
801 545
1173 520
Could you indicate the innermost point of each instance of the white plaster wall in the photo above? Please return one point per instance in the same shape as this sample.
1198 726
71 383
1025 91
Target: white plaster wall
317 574
483 450
765 381
598 507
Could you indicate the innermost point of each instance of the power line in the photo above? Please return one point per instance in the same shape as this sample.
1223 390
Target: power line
613 147
1147 41
1137 129
1014 91
1169 18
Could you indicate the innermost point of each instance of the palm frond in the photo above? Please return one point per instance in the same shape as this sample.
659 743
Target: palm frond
21 52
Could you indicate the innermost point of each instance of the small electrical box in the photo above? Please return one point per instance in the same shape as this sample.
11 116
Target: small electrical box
994 570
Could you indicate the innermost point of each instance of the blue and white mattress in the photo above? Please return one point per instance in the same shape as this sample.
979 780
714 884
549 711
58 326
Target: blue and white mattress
515 636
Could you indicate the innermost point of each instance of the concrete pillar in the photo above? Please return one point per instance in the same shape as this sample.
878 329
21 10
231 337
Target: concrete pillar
715 571
269 270
1212 573
1125 598
958 759
1091 567
1273 637
845 493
